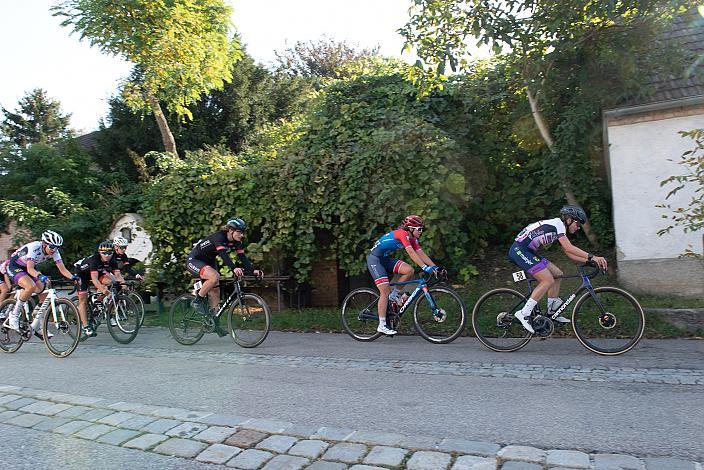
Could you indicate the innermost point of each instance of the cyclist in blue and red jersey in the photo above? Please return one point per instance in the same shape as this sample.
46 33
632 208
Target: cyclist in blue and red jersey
540 235
382 266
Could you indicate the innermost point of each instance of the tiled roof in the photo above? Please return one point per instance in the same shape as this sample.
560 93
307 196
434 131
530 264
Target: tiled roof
87 141
688 31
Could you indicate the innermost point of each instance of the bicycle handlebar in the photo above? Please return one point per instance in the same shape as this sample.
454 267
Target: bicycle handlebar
65 282
594 272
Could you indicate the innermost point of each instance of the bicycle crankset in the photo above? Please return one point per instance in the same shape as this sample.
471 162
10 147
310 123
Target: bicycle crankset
607 320
392 320
543 326
209 324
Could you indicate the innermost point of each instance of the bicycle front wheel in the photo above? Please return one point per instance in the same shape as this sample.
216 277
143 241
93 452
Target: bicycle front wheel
61 328
139 303
185 324
123 319
10 340
360 316
444 323
493 321
609 323
249 320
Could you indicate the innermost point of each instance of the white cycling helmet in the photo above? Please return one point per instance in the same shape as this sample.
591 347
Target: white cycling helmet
52 238
120 241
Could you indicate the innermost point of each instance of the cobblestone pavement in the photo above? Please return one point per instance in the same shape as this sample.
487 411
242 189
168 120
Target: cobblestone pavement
674 376
262 443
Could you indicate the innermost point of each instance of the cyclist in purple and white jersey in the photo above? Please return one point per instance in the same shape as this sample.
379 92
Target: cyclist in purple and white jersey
540 235
5 284
381 265
22 271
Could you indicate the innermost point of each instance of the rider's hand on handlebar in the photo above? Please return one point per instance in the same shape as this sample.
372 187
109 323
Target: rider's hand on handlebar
237 272
139 277
429 269
258 273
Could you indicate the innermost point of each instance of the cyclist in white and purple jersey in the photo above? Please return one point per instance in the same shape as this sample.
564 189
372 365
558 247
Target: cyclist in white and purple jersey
5 284
21 269
540 235
382 266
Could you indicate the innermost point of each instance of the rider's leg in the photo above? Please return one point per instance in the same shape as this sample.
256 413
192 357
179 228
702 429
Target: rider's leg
210 278
405 272
545 281
4 291
28 286
83 308
554 300
382 305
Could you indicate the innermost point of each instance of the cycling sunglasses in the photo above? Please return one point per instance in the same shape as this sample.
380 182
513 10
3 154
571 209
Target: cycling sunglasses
420 229
52 247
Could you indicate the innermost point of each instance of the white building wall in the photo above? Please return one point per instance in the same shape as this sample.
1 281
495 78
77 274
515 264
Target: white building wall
140 245
641 156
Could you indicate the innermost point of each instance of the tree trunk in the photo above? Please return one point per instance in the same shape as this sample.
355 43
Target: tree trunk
545 134
166 136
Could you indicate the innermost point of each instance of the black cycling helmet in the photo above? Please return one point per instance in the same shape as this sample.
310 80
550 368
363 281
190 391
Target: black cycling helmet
237 224
106 248
576 213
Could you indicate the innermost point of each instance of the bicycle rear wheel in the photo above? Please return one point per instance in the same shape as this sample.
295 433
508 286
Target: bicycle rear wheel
360 316
10 340
444 325
126 315
493 321
609 324
185 324
61 328
249 320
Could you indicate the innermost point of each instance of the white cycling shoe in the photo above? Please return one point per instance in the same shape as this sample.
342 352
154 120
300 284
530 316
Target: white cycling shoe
385 330
12 322
525 321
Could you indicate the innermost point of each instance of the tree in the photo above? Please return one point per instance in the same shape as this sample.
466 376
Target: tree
38 119
539 37
231 117
324 58
181 49
690 218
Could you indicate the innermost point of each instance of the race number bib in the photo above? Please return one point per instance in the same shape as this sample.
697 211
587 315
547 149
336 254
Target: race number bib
519 276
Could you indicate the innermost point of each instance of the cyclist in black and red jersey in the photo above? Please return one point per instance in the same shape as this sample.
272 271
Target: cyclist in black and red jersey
202 261
96 270
123 261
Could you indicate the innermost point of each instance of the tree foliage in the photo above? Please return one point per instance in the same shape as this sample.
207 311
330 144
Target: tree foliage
324 58
37 119
691 217
181 48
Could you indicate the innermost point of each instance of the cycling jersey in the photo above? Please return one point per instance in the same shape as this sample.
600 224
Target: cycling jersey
394 241
93 264
123 261
206 250
33 252
17 265
541 234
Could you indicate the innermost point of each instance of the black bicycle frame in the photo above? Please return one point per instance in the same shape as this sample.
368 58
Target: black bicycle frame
586 285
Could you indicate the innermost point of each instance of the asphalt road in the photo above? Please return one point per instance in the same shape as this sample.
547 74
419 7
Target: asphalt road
425 390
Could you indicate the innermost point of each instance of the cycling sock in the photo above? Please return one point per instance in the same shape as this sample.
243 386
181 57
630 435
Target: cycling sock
554 303
382 321
528 307
19 306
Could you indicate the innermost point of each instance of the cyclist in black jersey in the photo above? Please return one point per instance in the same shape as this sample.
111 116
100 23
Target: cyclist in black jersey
123 261
202 261
96 270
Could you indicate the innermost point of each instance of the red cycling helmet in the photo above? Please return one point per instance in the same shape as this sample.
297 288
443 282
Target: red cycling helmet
413 221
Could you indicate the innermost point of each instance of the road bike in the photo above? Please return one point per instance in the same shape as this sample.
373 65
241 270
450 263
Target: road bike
117 310
131 292
248 316
59 319
606 320
439 314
